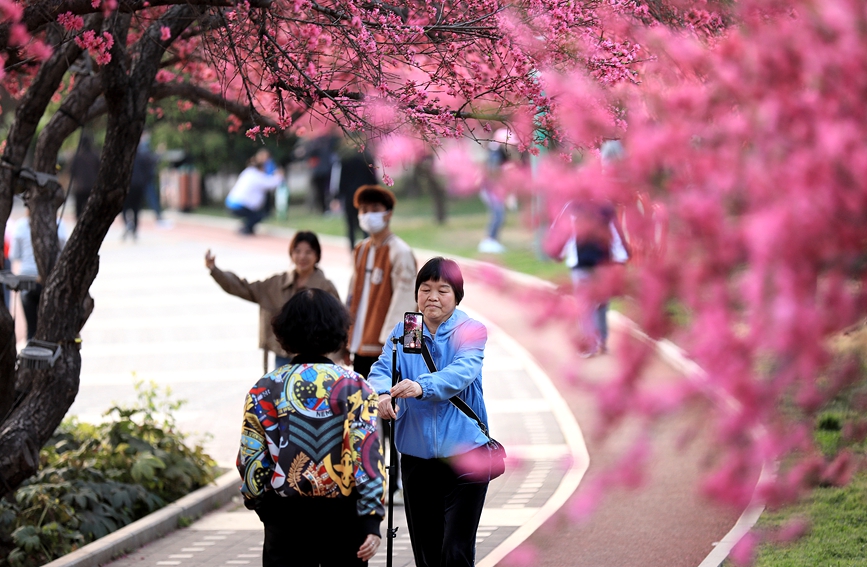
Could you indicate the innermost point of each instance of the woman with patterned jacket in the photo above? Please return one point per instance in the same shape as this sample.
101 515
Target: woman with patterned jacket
441 448
311 456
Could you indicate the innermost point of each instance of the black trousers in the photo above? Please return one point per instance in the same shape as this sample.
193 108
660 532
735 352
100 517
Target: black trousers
80 202
311 532
442 513
361 364
351 214
30 304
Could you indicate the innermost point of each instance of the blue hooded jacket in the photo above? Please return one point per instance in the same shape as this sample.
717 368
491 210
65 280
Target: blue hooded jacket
431 426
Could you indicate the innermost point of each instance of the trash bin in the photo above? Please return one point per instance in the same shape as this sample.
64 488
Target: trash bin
181 188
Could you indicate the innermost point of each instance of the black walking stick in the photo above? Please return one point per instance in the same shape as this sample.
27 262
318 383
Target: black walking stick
392 461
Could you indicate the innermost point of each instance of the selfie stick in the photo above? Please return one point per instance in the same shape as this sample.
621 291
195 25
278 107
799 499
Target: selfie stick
392 461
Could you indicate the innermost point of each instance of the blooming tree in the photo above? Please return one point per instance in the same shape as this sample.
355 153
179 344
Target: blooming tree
743 190
437 69
735 118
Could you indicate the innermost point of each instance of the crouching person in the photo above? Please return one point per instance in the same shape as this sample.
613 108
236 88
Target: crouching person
311 457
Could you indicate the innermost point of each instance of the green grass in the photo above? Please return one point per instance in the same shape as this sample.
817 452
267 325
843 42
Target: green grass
838 529
464 228
837 516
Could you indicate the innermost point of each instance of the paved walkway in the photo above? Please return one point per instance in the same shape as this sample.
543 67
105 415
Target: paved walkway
160 317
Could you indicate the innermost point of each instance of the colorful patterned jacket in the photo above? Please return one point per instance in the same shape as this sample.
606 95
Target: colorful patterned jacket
310 431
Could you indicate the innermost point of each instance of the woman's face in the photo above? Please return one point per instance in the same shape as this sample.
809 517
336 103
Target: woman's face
436 299
304 258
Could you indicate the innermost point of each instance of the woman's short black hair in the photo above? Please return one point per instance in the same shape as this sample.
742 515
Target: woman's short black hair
308 237
313 322
441 269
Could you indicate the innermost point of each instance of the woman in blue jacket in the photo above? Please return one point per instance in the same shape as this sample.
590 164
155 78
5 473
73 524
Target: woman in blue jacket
443 504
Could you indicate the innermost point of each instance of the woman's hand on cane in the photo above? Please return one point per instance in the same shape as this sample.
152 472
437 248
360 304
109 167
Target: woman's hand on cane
369 547
385 409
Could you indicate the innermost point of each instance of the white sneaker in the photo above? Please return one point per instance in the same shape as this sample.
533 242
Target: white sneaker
491 246
398 497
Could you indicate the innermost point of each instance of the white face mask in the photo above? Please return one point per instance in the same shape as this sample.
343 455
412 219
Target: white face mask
373 223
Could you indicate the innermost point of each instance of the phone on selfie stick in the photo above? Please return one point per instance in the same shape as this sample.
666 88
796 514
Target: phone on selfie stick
411 339
412 332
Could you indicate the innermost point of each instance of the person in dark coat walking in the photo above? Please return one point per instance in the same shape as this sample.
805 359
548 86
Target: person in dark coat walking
143 172
82 172
321 155
356 169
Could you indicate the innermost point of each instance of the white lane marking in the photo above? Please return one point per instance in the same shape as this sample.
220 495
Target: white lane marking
575 448
508 517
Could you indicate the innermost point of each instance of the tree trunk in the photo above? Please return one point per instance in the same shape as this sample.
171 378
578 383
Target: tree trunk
27 116
63 307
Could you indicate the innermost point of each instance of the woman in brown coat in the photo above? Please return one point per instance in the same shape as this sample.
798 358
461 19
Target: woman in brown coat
272 293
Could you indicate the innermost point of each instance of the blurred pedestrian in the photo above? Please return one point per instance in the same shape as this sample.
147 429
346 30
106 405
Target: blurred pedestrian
21 252
492 192
356 169
425 179
152 189
321 156
273 292
311 457
143 172
586 236
82 172
248 199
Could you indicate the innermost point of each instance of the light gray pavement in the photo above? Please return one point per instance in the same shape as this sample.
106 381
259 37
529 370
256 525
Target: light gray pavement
160 317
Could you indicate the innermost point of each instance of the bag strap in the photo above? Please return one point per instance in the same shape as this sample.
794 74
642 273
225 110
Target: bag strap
458 402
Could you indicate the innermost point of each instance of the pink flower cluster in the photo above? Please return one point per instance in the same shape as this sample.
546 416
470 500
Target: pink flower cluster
99 46
257 131
742 198
70 21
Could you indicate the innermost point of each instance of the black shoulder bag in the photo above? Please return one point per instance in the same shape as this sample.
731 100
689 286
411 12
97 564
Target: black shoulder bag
496 451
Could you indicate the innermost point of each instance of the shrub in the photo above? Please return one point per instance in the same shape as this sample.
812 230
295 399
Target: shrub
95 479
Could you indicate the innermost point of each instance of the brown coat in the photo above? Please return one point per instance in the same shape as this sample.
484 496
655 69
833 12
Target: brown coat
392 291
271 294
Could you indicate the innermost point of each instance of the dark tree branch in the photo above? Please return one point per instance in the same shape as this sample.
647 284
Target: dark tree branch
39 14
127 91
197 94
19 436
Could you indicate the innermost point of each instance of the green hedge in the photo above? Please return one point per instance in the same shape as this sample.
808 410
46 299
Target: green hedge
95 479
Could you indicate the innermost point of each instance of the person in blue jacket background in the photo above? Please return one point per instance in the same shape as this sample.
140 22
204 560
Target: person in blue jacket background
436 439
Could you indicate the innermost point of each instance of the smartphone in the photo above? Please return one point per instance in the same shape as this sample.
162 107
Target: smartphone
412 330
